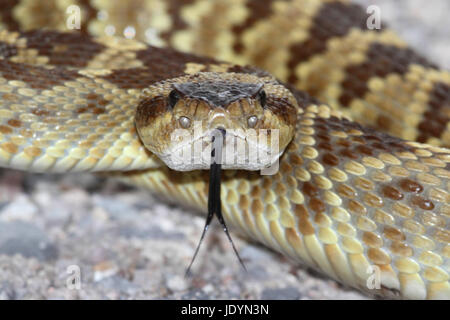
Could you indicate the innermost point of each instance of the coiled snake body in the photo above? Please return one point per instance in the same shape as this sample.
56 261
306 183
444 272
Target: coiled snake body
347 196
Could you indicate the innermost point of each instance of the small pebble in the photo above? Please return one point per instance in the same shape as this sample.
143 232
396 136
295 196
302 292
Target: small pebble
176 283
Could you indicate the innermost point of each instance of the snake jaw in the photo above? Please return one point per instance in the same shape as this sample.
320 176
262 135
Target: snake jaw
240 151
175 120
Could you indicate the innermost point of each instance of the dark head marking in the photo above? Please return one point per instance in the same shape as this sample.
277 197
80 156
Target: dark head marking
262 97
174 96
220 93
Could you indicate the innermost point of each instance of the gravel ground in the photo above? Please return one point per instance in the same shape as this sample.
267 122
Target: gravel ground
128 245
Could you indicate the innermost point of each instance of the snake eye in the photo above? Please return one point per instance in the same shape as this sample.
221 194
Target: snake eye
252 121
185 122
174 96
262 98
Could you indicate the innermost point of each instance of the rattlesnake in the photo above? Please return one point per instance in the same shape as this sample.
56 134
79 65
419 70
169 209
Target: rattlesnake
346 196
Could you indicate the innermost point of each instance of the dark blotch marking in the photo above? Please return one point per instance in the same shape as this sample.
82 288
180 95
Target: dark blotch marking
325 146
139 78
89 13
295 159
174 10
283 109
392 193
63 49
98 111
381 60
317 205
92 96
97 99
437 116
40 112
310 190
343 142
347 191
330 159
5 129
365 150
7 50
95 104
380 146
160 64
358 139
36 77
370 143
150 108
15 123
422 203
372 137
6 14
356 207
411 186
348 153
383 123
334 19
323 137
218 93
258 10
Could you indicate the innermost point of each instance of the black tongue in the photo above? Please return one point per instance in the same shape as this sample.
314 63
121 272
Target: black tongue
214 200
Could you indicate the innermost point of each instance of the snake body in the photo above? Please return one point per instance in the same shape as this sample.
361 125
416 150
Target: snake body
348 196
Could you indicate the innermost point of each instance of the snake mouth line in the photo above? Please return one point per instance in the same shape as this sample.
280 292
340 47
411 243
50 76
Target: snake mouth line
238 150
214 199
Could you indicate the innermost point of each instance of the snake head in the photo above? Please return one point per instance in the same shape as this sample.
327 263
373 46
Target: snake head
176 118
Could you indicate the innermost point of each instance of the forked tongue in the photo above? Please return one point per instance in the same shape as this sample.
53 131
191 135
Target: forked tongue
214 201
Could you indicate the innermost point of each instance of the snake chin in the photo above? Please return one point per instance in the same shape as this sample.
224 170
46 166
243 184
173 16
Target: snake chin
241 150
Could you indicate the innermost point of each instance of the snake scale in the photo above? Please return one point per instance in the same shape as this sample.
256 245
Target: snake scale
347 196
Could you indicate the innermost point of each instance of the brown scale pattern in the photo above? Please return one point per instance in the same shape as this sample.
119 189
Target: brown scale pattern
256 12
6 14
153 56
139 78
174 10
7 50
36 77
89 14
369 143
160 64
149 109
63 49
381 60
352 149
437 117
334 19
95 105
